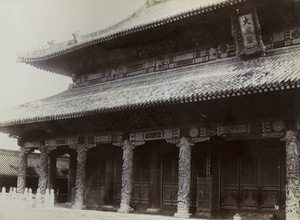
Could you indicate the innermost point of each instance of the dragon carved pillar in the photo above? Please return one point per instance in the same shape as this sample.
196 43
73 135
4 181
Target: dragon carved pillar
43 176
292 209
184 178
21 181
127 175
80 177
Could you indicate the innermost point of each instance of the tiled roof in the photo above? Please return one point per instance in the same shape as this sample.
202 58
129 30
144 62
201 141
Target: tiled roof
9 161
195 83
149 16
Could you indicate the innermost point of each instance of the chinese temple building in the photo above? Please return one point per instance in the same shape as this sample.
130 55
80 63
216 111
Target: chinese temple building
185 107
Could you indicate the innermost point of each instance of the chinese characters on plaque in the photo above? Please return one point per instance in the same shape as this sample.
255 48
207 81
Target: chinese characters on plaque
246 33
248 30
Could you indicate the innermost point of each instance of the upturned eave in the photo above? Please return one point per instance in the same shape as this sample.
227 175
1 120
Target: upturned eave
137 22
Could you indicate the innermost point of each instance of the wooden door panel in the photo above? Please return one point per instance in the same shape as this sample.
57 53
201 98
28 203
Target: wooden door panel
140 178
170 179
253 181
230 181
229 199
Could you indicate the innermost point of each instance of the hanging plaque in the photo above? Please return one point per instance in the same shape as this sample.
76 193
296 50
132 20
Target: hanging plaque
246 33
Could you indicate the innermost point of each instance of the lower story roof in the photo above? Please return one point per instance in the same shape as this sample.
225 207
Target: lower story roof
232 77
9 165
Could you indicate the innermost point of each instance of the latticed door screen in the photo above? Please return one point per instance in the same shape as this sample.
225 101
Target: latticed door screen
198 170
252 181
140 179
118 179
170 179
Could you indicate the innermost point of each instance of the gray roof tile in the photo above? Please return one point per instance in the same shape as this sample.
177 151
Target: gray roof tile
194 83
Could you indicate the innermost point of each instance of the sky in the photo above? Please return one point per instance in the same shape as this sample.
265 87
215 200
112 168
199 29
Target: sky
29 24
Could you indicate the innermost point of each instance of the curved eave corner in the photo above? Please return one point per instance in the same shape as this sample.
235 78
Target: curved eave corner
88 40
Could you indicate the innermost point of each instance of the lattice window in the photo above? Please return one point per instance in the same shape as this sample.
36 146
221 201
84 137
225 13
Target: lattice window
167 170
198 170
230 169
282 169
136 170
170 179
145 169
119 162
270 169
248 169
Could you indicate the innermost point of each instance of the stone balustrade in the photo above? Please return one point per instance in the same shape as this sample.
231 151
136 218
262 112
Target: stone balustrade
27 199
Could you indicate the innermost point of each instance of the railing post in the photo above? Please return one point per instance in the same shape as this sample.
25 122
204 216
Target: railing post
30 198
38 199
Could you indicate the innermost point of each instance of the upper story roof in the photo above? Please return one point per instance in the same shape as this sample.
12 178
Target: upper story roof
153 14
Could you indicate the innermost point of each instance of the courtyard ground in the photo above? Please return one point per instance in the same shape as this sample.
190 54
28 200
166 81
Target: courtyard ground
63 213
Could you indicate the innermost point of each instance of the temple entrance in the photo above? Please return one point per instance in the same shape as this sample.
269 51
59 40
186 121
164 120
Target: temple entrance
253 180
100 170
62 162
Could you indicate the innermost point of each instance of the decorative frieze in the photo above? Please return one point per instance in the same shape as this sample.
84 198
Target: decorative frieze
33 144
61 141
88 139
273 129
233 129
283 39
155 135
184 178
248 41
292 209
109 138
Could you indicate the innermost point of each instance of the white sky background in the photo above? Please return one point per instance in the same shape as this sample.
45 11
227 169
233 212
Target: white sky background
28 24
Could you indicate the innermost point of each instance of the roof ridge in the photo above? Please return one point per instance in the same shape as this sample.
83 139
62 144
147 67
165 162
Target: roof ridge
112 32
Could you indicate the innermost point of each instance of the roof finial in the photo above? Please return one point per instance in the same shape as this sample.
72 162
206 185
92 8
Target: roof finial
51 43
75 35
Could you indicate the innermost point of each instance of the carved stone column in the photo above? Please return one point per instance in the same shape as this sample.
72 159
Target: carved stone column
126 177
184 178
80 177
292 209
43 175
21 181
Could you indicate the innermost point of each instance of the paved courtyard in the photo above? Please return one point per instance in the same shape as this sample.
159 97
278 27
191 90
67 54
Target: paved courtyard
72 214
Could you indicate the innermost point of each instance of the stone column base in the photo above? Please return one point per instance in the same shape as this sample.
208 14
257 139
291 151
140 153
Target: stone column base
78 206
153 210
182 215
107 207
125 210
